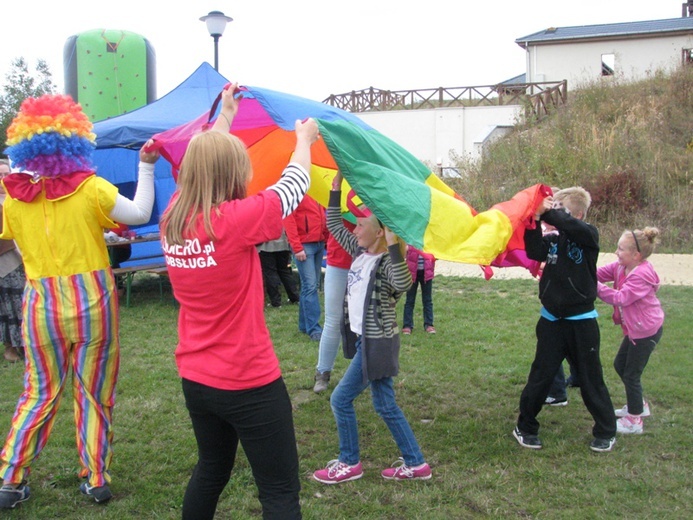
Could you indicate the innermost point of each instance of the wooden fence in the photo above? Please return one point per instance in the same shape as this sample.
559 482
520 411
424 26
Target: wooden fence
538 98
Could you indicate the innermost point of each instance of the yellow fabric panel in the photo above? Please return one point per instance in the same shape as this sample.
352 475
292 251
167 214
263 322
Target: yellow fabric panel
434 182
454 233
321 185
62 237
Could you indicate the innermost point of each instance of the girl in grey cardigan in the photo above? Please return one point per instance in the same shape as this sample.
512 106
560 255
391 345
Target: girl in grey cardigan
377 278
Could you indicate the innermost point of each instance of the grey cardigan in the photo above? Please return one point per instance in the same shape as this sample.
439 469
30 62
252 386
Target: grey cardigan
389 280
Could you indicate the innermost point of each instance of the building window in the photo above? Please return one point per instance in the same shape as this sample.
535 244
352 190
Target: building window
688 56
608 64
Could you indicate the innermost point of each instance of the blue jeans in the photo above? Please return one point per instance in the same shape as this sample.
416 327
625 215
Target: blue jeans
559 386
383 394
335 288
426 299
309 271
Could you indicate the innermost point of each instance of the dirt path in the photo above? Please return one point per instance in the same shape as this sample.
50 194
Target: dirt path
672 269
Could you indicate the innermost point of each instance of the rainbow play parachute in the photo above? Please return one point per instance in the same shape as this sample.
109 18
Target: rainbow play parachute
397 187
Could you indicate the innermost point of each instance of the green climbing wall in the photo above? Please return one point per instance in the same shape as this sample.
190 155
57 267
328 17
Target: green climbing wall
109 72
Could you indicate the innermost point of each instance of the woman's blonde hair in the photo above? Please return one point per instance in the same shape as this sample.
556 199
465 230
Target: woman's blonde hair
216 168
644 241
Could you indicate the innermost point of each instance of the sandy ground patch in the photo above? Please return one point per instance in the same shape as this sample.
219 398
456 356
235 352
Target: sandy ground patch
672 269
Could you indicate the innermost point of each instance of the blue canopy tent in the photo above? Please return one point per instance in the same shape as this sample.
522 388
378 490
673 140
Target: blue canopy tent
119 139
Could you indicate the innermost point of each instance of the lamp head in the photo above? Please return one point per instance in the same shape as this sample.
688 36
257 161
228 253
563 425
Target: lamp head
216 22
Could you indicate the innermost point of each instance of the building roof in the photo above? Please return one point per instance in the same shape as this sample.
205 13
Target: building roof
516 80
609 30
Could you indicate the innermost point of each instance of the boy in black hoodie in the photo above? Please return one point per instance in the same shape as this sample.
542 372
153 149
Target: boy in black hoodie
568 325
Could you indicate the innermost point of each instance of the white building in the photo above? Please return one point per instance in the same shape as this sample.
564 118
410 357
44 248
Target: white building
627 51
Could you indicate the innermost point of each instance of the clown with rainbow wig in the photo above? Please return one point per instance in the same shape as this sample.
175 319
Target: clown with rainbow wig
56 210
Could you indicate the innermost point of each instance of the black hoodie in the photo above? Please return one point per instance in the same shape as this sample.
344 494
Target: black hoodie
568 284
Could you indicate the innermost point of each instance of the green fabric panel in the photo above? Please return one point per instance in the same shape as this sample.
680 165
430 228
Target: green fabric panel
387 178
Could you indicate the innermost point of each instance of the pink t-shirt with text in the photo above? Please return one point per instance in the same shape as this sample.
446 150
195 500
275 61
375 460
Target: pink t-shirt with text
223 341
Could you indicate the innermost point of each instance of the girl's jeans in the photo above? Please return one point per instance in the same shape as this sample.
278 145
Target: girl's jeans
335 288
426 299
383 393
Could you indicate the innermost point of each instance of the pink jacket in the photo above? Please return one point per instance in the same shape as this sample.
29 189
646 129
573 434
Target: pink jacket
413 260
636 307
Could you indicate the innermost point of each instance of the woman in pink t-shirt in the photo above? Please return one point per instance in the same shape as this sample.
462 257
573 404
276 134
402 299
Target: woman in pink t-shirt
231 379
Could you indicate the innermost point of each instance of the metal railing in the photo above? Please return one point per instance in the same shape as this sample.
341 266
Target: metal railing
539 98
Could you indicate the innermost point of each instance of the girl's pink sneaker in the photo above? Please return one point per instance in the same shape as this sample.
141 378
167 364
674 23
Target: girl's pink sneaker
400 471
629 424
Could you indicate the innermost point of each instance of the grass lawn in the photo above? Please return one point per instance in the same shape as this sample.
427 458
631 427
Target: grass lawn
460 391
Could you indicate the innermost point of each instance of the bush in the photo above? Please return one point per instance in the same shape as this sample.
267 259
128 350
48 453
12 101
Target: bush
616 195
630 145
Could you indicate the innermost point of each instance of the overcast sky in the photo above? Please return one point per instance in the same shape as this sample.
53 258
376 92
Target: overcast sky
314 48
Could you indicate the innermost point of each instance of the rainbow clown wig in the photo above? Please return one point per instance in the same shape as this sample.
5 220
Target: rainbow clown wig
51 136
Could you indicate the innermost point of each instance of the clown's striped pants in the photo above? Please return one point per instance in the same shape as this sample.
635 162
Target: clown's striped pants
68 321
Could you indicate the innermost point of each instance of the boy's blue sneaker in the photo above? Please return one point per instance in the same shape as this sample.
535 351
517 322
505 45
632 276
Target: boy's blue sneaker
13 494
601 445
100 494
526 440
553 401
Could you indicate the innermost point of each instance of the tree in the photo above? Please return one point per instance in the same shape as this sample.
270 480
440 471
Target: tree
19 85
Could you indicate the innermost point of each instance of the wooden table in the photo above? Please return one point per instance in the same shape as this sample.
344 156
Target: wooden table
134 264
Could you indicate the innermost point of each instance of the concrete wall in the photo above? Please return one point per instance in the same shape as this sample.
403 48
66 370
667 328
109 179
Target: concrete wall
580 62
431 135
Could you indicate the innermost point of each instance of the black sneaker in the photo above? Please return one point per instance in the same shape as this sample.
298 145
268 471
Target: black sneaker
100 494
11 495
526 440
602 444
552 401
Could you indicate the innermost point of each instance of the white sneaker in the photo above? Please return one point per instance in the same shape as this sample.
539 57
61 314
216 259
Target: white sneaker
622 412
629 424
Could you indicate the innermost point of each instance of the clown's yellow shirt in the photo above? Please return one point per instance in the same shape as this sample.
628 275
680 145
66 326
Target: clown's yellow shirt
63 236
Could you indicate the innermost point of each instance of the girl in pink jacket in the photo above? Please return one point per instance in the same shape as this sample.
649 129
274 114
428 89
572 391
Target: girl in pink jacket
638 311
422 267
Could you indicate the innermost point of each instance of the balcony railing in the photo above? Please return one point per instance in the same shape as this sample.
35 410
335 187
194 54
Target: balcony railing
538 98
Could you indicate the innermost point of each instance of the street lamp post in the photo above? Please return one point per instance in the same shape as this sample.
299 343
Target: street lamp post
216 23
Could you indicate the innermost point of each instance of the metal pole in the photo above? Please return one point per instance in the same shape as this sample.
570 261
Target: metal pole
216 52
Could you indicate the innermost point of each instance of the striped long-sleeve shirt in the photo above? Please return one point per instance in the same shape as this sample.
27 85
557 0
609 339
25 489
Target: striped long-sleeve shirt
291 187
390 279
